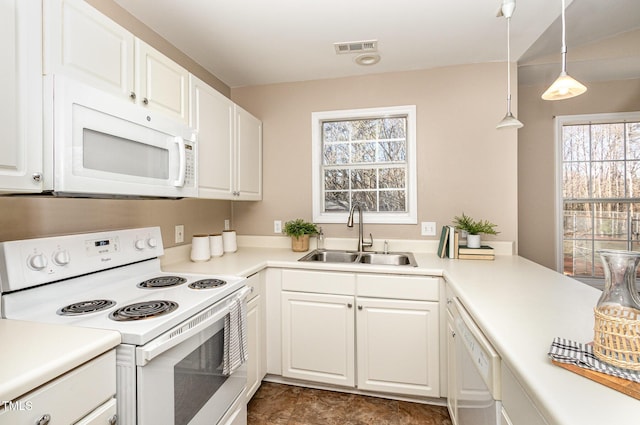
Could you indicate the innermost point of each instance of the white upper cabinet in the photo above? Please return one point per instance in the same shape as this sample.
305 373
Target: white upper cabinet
21 88
85 44
229 146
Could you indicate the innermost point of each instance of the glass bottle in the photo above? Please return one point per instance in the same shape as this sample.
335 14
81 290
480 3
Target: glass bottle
620 268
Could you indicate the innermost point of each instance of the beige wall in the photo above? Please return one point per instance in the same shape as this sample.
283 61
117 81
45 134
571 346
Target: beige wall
536 157
464 163
28 217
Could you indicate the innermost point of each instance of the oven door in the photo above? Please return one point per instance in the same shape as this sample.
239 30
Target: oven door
184 384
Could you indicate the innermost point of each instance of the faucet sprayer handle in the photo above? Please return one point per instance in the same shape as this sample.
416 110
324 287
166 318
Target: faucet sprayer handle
370 243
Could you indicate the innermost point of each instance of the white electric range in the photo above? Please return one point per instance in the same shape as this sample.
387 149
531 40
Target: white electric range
170 363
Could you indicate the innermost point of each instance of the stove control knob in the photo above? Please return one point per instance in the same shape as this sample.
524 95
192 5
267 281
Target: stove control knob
61 258
37 261
139 244
152 242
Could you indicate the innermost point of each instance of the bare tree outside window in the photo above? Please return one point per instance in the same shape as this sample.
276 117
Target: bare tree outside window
365 162
600 193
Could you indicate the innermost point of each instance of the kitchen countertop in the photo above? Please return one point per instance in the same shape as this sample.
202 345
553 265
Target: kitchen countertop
34 353
520 306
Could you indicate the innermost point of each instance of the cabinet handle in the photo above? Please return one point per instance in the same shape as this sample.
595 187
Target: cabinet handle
37 177
113 420
453 334
349 305
145 101
132 95
44 420
359 307
449 301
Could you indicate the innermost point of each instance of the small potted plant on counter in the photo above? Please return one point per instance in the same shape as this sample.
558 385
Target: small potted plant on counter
474 229
299 231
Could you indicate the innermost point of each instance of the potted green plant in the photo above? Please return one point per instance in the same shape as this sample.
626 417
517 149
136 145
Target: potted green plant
299 231
474 229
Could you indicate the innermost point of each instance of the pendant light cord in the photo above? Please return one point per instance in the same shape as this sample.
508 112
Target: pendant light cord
564 42
508 65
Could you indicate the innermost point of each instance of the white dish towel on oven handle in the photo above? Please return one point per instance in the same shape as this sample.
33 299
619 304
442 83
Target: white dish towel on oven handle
235 334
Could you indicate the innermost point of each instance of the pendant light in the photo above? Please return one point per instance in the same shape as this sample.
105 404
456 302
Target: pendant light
509 121
564 87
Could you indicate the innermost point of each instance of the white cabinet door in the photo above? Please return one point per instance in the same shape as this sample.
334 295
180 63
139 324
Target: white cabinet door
83 43
398 346
452 353
212 115
21 88
318 338
161 84
248 156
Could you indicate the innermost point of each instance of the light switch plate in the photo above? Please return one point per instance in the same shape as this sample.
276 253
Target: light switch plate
428 228
277 226
179 233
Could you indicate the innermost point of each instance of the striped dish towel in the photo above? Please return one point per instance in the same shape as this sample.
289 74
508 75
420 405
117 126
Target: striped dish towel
566 351
235 337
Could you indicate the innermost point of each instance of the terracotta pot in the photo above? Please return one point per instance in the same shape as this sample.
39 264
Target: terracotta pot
300 243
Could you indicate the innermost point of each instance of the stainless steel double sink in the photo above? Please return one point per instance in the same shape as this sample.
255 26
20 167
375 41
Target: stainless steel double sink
374 258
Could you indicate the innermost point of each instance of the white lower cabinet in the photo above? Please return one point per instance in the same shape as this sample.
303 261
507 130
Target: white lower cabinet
396 340
517 406
256 332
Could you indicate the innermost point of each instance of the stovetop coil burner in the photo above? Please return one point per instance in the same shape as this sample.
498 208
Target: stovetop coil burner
143 310
85 307
162 282
207 284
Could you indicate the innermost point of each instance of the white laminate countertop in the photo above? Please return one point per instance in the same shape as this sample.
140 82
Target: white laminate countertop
33 354
520 306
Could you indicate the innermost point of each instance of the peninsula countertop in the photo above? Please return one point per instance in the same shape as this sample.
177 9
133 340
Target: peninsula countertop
519 305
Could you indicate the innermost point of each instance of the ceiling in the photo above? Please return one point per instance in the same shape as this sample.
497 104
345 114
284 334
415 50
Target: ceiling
245 42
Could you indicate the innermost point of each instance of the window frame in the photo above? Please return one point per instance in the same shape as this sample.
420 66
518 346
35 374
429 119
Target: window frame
317 118
560 122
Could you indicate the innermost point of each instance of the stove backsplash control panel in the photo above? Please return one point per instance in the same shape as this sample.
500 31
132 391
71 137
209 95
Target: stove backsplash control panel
32 262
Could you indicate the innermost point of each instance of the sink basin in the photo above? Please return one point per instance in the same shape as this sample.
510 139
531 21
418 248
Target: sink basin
374 258
390 259
325 256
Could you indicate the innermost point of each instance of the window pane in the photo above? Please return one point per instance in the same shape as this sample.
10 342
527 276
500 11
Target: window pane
363 179
336 201
610 221
608 142
335 131
577 221
392 178
336 179
367 199
598 245
633 179
392 151
392 200
393 128
578 258
363 152
575 180
336 153
575 143
364 129
607 179
633 140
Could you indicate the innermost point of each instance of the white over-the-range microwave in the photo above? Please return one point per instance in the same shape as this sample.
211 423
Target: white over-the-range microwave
99 145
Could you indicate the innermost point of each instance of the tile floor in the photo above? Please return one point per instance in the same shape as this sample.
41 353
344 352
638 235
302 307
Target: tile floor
277 404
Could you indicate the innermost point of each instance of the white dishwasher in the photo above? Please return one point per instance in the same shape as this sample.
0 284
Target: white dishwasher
473 374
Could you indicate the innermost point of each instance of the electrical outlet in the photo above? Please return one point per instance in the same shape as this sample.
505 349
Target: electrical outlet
179 233
277 226
227 226
428 228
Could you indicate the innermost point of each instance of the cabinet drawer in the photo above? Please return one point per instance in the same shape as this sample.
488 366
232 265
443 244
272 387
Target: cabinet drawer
520 408
398 287
253 283
68 398
321 282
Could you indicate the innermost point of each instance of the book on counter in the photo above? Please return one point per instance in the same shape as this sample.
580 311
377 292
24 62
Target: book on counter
444 242
485 252
449 241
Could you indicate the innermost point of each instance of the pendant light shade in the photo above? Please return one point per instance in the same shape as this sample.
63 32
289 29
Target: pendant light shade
509 121
564 87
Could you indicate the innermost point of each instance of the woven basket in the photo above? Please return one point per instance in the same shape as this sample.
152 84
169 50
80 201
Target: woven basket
617 336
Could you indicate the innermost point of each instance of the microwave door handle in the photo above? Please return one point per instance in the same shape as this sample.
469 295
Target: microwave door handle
183 162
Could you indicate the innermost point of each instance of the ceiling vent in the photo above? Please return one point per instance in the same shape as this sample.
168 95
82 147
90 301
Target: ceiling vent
356 46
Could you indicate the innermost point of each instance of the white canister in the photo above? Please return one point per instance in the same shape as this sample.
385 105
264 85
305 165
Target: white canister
229 241
216 245
200 249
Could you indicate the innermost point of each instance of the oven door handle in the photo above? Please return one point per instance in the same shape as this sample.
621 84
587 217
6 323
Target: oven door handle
194 325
